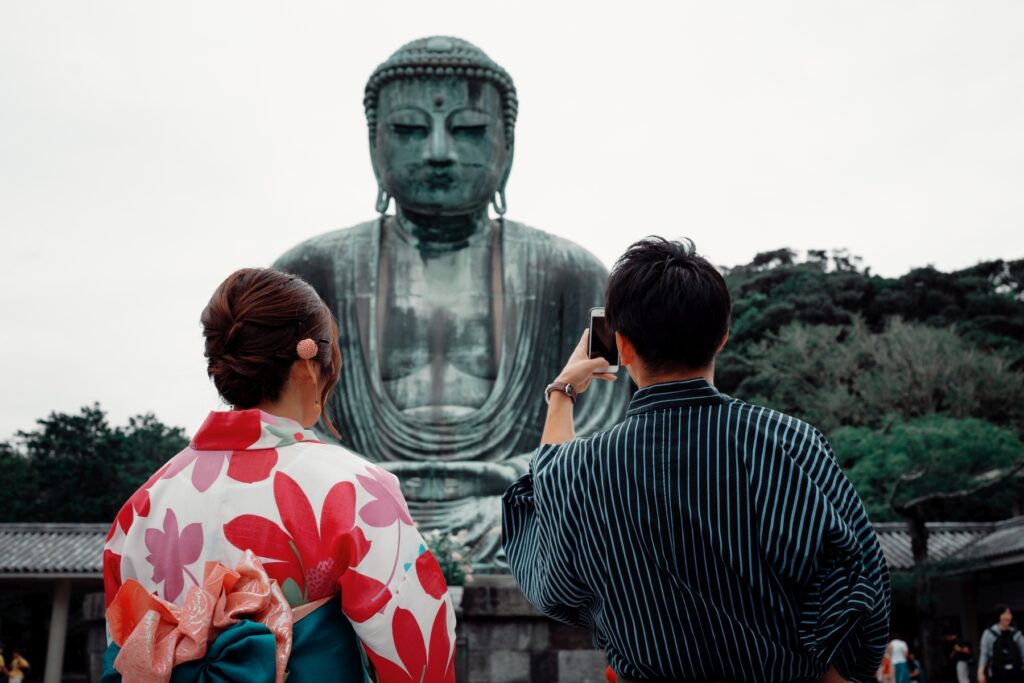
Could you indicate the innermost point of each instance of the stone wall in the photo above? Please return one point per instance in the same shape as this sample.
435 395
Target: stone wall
501 638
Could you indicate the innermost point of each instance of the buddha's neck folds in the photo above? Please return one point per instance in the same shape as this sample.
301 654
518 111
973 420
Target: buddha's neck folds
442 232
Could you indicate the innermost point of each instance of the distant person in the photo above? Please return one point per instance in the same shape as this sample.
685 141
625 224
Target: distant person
915 669
960 656
19 665
885 674
702 539
1002 650
294 553
898 657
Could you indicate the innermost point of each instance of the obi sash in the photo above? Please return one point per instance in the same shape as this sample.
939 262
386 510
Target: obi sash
324 647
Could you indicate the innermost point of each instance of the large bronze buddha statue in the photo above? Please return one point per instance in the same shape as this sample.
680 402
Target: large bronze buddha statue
452 322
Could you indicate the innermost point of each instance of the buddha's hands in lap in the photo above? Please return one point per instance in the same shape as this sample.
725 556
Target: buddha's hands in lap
441 481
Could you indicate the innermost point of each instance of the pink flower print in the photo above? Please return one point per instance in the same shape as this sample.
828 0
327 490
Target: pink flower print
170 553
245 466
207 468
388 505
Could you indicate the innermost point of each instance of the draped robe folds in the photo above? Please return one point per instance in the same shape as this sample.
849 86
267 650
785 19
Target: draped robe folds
549 286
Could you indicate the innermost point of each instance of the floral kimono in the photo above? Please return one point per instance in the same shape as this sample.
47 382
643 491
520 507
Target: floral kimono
253 526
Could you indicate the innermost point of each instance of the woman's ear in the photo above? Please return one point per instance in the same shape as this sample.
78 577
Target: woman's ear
304 371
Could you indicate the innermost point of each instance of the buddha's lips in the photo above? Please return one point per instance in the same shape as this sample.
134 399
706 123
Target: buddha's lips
439 180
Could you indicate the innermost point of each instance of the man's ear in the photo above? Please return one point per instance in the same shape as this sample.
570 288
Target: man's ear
721 345
627 353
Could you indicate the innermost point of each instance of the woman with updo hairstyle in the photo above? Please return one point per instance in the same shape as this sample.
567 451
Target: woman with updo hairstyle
261 550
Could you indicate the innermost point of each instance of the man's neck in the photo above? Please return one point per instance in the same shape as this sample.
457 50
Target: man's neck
644 379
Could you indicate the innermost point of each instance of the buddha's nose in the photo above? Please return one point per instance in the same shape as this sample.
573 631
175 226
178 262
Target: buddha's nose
441 151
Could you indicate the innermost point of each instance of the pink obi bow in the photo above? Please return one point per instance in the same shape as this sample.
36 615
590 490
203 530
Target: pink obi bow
155 635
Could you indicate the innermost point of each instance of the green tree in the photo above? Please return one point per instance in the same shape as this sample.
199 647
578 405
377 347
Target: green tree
836 376
77 468
935 454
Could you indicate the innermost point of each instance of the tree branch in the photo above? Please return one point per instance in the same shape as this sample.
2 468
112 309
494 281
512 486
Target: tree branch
904 508
903 479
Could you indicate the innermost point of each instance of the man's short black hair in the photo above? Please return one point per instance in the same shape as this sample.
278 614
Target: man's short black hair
1001 609
670 303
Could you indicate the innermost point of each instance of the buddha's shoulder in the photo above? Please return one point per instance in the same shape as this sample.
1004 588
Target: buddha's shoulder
325 248
553 249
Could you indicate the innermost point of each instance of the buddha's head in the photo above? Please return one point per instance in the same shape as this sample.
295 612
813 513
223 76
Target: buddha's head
441 116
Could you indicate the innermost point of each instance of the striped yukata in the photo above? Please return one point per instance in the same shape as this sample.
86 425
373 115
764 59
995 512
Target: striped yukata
703 539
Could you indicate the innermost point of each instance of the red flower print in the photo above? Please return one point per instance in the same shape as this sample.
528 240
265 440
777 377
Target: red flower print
313 558
170 553
435 665
430 575
362 596
228 431
138 504
252 466
388 505
111 574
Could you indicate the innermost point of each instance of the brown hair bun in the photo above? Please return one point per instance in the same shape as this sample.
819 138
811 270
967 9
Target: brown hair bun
251 326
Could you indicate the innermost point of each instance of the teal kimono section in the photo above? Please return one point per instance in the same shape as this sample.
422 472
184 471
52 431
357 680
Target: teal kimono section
324 647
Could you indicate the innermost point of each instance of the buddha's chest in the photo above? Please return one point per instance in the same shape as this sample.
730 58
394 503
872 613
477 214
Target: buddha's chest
438 319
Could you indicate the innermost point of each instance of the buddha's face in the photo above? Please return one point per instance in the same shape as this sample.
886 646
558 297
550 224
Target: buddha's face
440 144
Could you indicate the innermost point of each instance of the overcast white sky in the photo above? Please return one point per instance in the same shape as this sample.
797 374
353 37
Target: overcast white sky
148 149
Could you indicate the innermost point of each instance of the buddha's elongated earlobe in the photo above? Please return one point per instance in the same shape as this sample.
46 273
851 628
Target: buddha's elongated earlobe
499 203
383 200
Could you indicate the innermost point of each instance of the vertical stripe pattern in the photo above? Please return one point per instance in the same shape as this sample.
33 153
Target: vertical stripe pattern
703 539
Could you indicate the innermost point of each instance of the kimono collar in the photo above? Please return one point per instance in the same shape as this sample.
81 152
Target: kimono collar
682 393
239 430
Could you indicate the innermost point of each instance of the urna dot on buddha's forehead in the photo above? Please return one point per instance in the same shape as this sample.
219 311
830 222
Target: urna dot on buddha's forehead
441 57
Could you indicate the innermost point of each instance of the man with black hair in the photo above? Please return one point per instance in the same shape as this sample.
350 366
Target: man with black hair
1002 650
702 539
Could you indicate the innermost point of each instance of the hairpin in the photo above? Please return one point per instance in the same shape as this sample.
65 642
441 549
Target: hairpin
307 349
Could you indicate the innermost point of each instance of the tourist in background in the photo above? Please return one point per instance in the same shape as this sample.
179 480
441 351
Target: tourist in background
257 482
897 650
19 665
1001 656
701 539
915 669
960 656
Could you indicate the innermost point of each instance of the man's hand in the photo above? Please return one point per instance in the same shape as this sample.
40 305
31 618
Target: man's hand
578 372
580 369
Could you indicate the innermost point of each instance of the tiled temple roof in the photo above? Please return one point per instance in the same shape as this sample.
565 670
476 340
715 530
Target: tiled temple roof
57 550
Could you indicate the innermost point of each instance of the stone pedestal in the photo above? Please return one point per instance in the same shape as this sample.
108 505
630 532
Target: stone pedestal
501 638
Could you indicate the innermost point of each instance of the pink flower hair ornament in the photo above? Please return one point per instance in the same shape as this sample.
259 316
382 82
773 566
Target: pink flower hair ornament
307 349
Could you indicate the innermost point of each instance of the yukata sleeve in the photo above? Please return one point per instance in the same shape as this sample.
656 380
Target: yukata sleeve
815 533
396 596
540 532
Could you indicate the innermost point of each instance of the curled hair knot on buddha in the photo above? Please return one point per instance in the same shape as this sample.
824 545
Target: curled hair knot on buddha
253 325
442 57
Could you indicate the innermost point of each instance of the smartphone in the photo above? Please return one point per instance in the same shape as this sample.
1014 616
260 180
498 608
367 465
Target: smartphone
602 340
